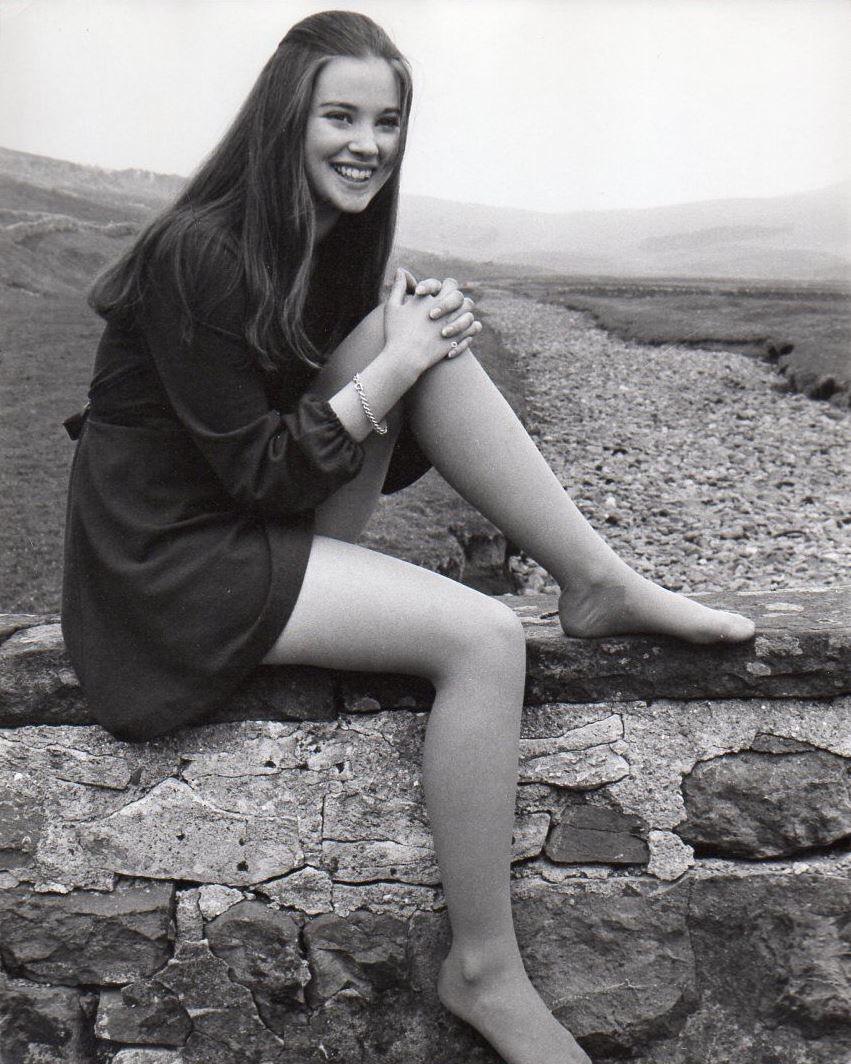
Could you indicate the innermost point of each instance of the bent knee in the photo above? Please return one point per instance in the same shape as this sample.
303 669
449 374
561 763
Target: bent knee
493 634
507 629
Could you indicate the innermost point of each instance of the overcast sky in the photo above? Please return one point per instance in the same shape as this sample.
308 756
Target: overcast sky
547 104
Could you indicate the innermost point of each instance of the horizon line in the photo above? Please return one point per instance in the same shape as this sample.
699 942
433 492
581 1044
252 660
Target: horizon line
837 184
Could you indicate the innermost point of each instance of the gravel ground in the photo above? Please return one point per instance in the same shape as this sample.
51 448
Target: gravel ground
692 464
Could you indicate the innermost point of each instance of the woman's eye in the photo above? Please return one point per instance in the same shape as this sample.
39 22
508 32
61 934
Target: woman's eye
339 116
389 123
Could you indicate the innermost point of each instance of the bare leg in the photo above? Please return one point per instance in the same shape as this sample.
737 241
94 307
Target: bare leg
362 610
475 440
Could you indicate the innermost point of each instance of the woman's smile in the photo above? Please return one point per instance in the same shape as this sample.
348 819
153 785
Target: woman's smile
352 136
357 174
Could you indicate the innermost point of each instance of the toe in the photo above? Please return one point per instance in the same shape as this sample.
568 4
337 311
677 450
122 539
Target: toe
739 628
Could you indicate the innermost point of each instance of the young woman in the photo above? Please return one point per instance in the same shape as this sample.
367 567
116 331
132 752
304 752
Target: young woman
250 401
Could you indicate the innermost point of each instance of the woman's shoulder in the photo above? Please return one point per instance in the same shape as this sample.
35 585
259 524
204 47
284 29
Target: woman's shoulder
195 264
197 248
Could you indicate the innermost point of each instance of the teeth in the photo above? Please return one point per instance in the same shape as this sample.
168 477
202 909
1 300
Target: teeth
353 173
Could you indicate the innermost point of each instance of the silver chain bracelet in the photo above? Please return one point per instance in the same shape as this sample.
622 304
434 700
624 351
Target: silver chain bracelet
379 426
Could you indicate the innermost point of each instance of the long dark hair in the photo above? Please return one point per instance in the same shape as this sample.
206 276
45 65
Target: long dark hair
251 196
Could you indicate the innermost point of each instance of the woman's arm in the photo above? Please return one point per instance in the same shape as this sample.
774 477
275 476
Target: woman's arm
266 460
418 332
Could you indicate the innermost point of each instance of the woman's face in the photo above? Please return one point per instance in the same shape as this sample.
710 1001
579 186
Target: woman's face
352 136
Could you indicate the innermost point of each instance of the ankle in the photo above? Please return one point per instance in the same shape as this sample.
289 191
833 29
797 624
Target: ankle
478 965
597 578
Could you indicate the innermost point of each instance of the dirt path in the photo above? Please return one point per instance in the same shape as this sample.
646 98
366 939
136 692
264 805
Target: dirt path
694 467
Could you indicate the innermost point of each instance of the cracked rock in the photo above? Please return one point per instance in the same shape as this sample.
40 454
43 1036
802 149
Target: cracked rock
397 899
307 889
86 937
357 957
592 834
530 834
363 861
40 1023
72 764
580 770
214 900
260 945
37 683
21 820
670 857
226 1026
593 733
187 916
148 1056
759 804
774 949
171 832
146 1013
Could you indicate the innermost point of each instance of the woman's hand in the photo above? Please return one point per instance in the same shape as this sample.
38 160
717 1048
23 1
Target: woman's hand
423 329
461 325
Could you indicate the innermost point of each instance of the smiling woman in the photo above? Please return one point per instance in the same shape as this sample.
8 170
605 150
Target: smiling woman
351 144
250 401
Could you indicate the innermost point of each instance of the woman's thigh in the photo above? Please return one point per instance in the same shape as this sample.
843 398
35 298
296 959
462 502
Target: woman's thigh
352 354
362 610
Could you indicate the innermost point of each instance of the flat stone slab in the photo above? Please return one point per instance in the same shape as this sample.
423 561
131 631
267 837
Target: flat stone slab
802 649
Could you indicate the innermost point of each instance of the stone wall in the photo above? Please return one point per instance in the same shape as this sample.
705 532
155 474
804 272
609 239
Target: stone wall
263 889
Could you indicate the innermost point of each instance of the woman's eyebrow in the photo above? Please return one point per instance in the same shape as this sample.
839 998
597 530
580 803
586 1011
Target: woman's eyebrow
353 107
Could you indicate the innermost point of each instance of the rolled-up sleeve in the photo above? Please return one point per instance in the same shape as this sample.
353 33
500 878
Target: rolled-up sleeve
266 460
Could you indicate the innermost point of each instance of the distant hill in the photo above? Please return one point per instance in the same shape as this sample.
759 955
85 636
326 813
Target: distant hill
59 222
806 236
135 192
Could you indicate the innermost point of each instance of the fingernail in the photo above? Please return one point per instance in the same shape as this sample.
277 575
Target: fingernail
434 313
446 330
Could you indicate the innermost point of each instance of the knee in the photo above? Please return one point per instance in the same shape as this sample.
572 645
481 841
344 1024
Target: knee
508 632
494 637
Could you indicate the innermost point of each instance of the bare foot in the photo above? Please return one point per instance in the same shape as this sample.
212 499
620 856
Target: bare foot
636 605
506 1010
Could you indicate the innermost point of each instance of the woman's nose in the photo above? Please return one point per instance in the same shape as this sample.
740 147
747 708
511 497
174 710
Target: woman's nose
363 142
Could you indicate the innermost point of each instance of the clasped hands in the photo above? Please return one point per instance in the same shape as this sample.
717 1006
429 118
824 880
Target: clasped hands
462 326
431 316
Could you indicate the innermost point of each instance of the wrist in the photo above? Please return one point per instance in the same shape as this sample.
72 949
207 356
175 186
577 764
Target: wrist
398 362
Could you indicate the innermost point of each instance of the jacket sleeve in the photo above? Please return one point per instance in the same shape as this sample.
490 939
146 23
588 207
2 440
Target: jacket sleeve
267 461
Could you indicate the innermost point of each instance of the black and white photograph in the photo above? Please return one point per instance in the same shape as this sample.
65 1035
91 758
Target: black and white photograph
425 599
